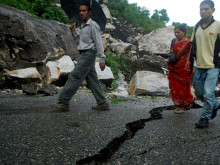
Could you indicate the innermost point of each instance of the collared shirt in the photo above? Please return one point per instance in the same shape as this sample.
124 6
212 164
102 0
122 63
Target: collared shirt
90 38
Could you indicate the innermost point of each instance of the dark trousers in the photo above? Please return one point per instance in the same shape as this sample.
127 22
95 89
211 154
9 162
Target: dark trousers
85 69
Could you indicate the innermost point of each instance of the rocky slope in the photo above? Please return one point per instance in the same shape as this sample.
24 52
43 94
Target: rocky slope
28 44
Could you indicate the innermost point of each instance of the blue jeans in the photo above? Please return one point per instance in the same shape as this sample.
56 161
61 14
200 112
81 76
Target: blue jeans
204 83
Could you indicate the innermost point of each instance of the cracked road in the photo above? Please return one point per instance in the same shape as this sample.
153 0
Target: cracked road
33 133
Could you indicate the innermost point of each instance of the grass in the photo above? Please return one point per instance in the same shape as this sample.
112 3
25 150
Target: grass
73 124
118 63
151 97
118 100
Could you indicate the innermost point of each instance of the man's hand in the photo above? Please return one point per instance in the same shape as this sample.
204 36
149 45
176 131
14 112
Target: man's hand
102 66
73 26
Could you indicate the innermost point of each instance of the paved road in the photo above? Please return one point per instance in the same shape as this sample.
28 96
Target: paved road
33 133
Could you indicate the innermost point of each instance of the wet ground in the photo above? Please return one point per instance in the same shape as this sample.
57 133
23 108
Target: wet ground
33 133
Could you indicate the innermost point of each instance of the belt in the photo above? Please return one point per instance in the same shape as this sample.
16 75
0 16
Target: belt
87 50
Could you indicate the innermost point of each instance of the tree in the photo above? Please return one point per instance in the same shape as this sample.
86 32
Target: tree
160 16
163 16
145 11
176 23
156 15
138 16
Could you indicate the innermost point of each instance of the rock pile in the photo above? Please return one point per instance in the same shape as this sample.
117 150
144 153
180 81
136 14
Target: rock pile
37 53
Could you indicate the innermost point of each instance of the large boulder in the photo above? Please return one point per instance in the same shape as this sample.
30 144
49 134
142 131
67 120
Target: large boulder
24 73
106 76
28 41
158 41
57 72
124 31
120 47
149 83
56 68
110 26
17 78
106 11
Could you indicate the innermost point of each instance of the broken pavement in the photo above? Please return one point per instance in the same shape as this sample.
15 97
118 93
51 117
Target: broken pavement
33 133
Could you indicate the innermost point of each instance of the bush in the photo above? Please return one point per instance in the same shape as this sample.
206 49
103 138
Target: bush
41 8
54 13
19 4
118 63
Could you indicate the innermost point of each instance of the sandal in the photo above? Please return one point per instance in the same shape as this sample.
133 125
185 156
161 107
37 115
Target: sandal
178 111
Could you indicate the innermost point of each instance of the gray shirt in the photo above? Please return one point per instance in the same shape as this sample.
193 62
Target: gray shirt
90 38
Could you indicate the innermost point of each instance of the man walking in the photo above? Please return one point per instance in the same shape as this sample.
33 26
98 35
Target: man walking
90 42
207 62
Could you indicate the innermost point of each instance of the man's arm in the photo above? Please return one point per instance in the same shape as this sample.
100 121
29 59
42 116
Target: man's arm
75 31
188 62
96 33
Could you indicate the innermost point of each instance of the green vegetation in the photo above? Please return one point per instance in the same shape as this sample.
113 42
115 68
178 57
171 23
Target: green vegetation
118 62
41 8
151 97
119 9
114 85
118 100
138 16
73 124
38 96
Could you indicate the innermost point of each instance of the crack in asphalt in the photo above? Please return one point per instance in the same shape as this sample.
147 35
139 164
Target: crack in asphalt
104 155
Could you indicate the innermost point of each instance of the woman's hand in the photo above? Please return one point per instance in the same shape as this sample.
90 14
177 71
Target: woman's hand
188 65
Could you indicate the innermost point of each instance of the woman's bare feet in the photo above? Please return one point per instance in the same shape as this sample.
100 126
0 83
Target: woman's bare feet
180 110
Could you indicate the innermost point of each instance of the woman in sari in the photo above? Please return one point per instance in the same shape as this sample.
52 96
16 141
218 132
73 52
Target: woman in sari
179 76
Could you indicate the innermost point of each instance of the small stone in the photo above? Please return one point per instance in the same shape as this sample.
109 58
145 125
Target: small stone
7 90
62 53
112 96
56 50
16 91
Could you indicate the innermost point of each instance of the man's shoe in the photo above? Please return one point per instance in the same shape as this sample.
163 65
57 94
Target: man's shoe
60 106
214 112
102 107
202 123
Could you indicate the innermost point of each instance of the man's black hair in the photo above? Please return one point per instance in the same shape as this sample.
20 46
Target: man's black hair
88 5
208 2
